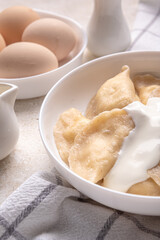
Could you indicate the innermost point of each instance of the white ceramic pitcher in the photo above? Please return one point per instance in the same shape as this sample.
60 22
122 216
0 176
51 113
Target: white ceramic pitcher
108 31
9 129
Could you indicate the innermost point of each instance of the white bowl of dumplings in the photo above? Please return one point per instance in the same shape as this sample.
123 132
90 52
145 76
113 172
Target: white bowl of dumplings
84 124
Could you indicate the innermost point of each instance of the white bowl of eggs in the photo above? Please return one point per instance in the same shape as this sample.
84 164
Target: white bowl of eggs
37 48
101 134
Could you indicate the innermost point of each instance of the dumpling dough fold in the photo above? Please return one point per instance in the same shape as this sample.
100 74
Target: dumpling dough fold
146 86
96 147
116 92
68 125
150 187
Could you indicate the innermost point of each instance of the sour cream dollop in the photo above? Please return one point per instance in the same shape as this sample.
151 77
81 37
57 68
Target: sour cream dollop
141 148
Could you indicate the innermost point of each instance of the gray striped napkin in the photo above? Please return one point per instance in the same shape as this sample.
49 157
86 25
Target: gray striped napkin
46 207
146 31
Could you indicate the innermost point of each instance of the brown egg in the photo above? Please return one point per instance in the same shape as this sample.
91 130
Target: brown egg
2 42
25 59
14 20
52 33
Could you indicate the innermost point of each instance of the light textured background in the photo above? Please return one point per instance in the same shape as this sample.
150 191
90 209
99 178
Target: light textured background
29 155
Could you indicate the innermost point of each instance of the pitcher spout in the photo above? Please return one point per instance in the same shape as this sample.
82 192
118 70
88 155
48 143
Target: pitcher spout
8 93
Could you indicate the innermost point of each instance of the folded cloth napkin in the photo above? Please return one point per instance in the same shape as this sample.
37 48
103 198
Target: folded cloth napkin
46 207
146 31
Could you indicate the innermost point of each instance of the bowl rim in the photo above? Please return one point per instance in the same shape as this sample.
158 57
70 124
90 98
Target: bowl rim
84 44
46 99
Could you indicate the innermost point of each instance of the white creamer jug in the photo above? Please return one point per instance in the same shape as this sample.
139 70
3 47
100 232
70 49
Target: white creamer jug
108 31
9 129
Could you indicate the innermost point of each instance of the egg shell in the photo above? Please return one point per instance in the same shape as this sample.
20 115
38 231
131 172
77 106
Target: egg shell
52 33
14 20
2 42
25 59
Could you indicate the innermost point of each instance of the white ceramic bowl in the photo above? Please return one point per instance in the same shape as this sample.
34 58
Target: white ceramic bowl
39 85
75 90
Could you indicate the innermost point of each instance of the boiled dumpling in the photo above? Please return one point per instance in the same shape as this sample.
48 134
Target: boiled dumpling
147 86
116 92
96 147
68 125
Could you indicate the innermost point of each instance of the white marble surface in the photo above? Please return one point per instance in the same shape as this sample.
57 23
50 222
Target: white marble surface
29 155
